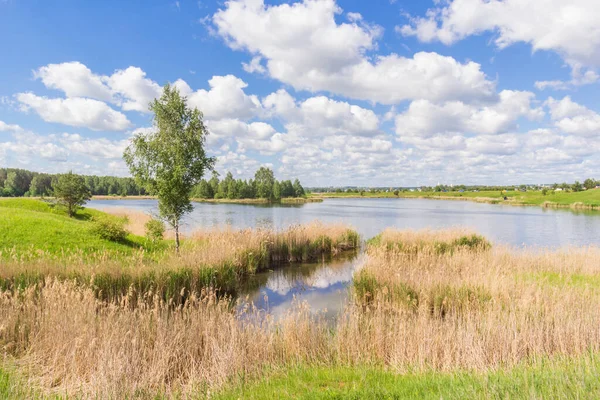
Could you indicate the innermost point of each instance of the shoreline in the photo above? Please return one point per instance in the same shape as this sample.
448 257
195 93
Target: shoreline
319 198
486 200
290 200
287 200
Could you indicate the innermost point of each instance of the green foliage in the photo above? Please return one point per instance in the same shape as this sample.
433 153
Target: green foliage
276 191
444 299
112 229
71 192
28 183
590 183
155 229
16 183
365 286
41 185
171 160
298 189
263 181
234 189
472 242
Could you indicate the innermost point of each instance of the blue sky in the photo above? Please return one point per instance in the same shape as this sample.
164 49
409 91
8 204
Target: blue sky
334 92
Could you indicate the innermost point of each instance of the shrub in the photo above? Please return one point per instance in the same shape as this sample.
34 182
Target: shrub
446 299
155 230
112 229
365 286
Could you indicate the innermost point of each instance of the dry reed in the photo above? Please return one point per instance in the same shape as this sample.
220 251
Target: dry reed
464 309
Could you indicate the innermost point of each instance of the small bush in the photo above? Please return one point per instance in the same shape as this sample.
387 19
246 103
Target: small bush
446 299
112 229
155 230
365 287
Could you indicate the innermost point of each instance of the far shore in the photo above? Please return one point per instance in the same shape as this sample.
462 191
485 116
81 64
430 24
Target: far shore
290 200
586 200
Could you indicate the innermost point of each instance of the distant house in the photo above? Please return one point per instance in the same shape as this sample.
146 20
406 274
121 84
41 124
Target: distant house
558 190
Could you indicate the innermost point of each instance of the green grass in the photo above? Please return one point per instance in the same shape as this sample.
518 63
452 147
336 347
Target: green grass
575 378
566 279
28 226
12 387
588 198
554 378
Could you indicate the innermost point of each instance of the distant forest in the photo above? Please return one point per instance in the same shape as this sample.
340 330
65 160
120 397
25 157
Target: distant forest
21 182
263 186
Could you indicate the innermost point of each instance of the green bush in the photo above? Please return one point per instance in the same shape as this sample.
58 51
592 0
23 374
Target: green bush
155 230
112 229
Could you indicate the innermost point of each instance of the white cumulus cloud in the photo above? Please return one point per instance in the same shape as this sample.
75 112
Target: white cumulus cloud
304 46
76 111
569 28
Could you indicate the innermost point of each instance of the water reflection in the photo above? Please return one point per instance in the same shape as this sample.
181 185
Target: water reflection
323 285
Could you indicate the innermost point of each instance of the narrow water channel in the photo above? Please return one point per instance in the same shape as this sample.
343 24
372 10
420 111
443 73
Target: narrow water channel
323 285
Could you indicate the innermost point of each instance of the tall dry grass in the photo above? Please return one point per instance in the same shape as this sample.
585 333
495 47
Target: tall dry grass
136 220
66 340
469 308
473 307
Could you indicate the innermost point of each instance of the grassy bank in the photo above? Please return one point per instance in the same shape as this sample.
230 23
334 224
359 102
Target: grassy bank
32 229
41 242
589 199
470 320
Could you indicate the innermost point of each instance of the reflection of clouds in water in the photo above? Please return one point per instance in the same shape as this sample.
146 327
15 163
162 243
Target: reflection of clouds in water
328 303
282 283
327 277
324 288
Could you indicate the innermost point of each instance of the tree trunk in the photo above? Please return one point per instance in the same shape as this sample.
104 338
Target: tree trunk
177 238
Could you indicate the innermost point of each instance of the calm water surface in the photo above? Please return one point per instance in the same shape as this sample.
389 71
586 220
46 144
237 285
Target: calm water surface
324 285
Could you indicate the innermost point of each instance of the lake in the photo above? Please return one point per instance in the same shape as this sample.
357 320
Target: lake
324 285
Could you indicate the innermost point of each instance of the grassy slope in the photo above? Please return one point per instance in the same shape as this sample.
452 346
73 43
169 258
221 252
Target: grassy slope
588 197
575 378
27 224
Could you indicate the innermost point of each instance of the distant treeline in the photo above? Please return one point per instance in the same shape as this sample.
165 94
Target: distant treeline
20 182
263 186
575 187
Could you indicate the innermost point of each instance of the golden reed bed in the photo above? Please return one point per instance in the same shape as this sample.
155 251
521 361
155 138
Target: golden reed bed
465 308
